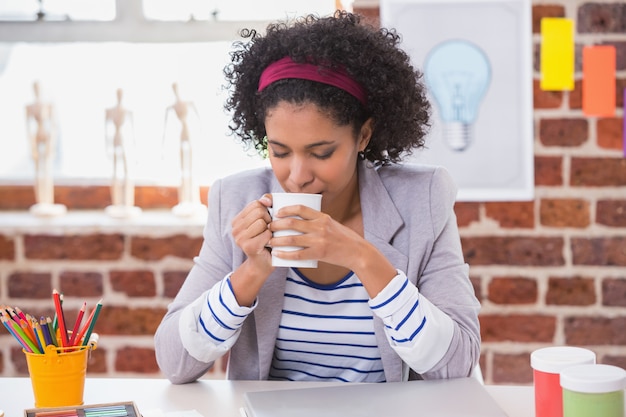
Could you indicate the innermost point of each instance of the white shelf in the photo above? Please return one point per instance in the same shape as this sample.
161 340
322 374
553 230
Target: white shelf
149 222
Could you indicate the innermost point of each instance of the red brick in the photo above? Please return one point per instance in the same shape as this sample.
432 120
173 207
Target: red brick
517 328
543 99
139 283
599 172
151 249
120 320
512 250
614 292
614 360
30 285
512 290
512 369
172 281
76 247
16 197
81 284
83 197
563 132
610 133
19 361
134 359
619 91
545 10
7 248
512 214
97 363
601 18
548 170
156 197
594 331
565 213
611 213
574 291
602 251
576 96
467 213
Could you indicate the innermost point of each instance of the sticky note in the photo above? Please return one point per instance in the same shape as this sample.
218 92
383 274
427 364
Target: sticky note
557 54
599 80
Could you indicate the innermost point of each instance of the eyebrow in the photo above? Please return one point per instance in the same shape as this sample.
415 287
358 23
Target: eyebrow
310 146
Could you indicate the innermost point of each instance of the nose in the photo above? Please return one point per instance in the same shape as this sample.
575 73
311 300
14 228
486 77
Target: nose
300 173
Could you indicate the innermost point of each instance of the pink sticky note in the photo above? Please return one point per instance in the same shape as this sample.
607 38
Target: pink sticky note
599 80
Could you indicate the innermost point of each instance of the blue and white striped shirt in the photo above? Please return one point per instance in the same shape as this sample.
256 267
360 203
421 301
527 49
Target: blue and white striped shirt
326 333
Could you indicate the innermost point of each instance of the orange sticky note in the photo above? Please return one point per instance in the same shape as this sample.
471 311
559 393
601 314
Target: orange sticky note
557 54
599 80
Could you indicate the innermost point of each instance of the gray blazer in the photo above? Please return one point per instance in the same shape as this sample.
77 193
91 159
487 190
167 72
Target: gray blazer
407 214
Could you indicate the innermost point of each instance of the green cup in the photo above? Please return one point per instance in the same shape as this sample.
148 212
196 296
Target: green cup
593 390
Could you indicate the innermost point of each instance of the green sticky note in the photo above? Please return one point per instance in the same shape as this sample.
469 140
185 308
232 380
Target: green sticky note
557 54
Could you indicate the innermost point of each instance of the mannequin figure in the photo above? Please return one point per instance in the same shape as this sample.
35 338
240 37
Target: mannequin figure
188 194
118 130
42 133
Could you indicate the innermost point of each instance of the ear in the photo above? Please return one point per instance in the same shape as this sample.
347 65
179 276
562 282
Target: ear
365 134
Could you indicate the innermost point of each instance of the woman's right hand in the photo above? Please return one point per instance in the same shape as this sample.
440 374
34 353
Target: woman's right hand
251 234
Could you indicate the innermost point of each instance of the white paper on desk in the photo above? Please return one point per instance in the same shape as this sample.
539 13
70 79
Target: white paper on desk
160 413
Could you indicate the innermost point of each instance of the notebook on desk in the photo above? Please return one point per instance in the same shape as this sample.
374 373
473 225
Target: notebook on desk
461 397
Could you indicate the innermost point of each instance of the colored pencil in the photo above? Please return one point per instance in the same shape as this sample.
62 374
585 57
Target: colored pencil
20 313
79 320
28 333
9 327
43 325
39 335
92 323
19 334
61 318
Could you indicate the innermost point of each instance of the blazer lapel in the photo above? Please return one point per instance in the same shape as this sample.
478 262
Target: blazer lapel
270 309
381 222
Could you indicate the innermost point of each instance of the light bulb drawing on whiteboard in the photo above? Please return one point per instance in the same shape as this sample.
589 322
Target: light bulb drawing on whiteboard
457 73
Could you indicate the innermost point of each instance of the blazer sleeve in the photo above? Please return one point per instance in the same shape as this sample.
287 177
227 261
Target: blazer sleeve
445 283
213 263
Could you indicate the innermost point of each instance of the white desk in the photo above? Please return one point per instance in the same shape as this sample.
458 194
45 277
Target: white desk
209 397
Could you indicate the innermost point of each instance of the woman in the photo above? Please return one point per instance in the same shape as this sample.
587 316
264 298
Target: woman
334 104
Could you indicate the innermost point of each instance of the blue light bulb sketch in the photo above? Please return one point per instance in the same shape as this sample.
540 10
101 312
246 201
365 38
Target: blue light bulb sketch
457 73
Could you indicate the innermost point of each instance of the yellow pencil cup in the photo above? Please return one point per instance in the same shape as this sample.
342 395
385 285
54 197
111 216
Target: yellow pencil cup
58 376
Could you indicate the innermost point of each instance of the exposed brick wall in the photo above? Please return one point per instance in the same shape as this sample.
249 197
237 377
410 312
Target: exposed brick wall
552 271
549 271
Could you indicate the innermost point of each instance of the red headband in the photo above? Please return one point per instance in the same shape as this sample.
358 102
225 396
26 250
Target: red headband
287 68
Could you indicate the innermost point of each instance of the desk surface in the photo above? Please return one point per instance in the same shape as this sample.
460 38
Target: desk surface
208 397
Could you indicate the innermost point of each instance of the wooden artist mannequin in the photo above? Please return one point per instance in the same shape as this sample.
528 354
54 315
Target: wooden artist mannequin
118 128
42 134
188 194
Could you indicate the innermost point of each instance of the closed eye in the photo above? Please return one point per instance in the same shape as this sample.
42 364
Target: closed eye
324 155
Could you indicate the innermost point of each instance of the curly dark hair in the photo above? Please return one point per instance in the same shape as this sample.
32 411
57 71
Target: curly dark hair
396 97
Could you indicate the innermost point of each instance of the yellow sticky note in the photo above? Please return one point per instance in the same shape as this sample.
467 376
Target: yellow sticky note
599 88
557 54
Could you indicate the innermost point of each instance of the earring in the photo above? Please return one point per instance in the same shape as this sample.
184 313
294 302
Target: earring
361 155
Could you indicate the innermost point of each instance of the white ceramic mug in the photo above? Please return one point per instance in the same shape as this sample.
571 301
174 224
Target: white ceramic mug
281 200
